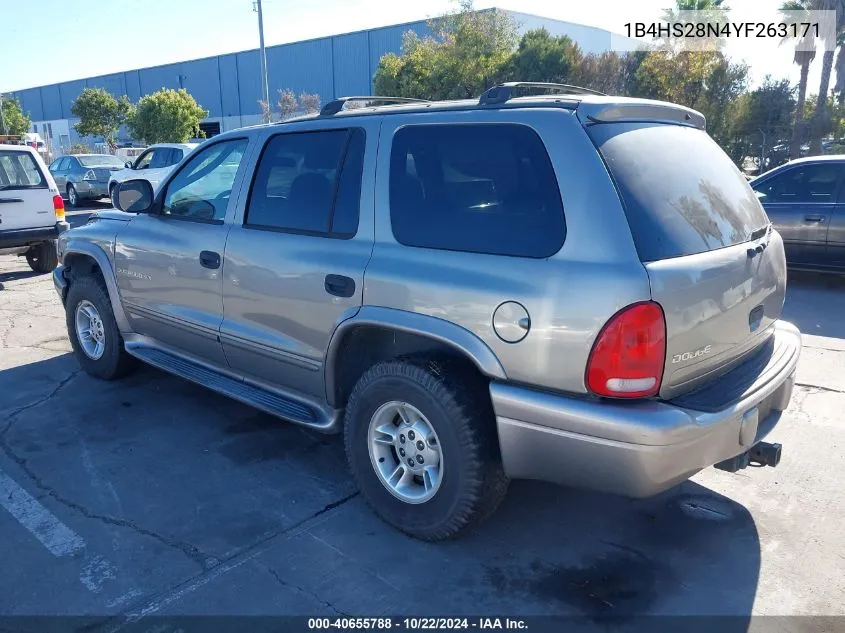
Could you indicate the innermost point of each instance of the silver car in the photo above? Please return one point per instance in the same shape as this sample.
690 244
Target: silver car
84 176
570 287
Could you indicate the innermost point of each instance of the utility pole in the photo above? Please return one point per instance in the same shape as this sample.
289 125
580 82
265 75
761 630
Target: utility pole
2 118
265 90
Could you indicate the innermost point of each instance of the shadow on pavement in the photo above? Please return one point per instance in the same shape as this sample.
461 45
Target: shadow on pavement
806 293
14 275
216 479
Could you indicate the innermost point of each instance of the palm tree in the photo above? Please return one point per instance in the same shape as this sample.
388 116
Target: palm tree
821 115
805 53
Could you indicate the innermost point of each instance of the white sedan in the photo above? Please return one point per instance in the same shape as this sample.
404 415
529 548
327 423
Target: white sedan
153 165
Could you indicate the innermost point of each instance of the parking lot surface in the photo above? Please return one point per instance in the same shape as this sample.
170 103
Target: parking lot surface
152 496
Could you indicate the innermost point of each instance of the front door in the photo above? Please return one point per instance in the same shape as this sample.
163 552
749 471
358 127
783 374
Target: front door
296 256
169 263
800 200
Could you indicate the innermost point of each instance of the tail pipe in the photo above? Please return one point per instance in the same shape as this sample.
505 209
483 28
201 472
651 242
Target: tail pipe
761 454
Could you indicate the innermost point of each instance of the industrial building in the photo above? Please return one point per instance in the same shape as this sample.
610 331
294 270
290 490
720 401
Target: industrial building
229 86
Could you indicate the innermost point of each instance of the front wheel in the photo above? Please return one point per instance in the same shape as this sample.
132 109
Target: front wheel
421 443
113 196
93 332
43 257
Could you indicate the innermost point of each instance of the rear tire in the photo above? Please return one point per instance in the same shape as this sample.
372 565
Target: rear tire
43 257
455 405
72 196
112 361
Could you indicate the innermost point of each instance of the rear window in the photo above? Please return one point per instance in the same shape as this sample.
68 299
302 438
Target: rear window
100 160
475 188
682 194
18 170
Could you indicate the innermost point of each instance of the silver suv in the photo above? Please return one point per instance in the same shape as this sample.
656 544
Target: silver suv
568 287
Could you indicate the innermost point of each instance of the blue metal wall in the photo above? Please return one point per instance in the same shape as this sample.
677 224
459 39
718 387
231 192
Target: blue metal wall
230 86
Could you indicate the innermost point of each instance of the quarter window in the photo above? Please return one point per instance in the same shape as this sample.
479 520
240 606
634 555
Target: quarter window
309 183
201 189
802 184
475 188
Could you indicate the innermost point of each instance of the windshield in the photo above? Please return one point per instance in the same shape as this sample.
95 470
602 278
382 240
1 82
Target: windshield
682 194
100 160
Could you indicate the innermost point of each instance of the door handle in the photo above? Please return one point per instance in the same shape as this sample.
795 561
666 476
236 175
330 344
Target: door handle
210 259
814 217
340 285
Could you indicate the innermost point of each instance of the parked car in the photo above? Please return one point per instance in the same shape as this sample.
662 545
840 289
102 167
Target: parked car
152 165
575 288
129 154
805 200
32 214
84 176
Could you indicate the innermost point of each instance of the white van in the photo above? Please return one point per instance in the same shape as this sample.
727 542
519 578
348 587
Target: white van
32 214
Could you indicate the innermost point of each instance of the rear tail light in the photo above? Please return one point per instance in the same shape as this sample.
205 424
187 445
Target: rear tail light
90 175
629 354
59 208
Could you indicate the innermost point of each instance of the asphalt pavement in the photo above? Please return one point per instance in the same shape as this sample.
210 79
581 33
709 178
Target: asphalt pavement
126 501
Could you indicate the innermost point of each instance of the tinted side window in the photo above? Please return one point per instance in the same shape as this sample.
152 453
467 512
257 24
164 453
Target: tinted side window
302 177
175 155
475 188
802 184
348 201
161 158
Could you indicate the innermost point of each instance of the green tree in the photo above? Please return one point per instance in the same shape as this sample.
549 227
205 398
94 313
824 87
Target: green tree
466 54
805 52
13 120
822 115
544 57
704 80
609 72
167 116
100 114
766 121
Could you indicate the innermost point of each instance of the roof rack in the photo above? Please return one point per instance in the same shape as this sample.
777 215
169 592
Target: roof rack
333 107
505 91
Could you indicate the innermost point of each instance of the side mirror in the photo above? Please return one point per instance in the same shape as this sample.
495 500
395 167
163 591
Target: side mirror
135 196
128 164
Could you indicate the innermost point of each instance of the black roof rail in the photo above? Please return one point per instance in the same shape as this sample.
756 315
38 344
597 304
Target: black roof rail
333 107
505 91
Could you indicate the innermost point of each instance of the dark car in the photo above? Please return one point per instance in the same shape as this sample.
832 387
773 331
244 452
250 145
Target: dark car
805 199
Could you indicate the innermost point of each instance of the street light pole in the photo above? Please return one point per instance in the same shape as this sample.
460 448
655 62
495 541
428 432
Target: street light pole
262 56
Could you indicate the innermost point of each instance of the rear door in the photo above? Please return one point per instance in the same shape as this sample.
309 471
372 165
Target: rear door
800 200
715 266
26 200
295 259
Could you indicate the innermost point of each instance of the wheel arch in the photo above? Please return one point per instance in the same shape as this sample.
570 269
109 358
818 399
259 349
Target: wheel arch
378 333
86 259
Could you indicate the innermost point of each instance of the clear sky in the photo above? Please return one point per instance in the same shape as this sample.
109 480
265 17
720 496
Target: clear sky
49 41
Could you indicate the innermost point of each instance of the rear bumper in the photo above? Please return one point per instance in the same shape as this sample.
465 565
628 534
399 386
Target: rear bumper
26 237
637 449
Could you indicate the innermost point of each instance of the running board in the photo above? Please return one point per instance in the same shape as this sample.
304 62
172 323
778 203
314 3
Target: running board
290 409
